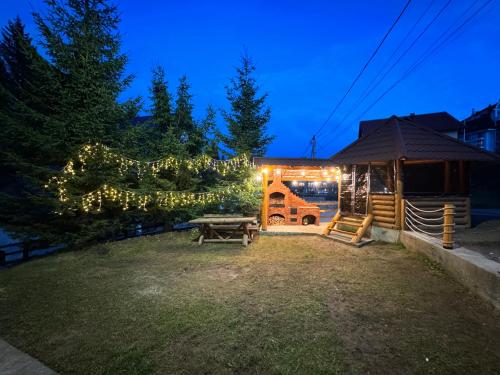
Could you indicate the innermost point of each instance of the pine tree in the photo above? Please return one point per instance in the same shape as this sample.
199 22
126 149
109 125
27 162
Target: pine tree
247 120
161 109
82 40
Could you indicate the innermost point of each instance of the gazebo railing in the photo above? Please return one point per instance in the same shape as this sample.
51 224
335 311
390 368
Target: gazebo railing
440 224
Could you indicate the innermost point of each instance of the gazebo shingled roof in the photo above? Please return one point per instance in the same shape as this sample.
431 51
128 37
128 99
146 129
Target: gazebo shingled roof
401 139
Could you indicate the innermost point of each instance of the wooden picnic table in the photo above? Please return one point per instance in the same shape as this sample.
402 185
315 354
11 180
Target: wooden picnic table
226 229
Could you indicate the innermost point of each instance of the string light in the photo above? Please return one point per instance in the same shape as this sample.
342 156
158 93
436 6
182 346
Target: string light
106 156
103 156
127 199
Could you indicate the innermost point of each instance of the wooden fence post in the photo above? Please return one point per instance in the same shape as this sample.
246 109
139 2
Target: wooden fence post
26 250
448 226
399 194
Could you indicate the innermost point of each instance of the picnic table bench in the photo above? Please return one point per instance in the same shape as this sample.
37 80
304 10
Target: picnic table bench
216 228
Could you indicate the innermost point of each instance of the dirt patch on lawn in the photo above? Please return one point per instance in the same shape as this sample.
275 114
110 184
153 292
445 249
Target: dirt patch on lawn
384 319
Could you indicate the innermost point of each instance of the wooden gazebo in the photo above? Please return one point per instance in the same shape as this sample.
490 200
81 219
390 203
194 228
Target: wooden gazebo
400 161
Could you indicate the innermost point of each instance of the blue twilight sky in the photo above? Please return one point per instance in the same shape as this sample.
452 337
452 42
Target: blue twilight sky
307 54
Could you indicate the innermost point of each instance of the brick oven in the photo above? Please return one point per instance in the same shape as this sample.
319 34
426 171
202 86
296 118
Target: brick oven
280 205
286 208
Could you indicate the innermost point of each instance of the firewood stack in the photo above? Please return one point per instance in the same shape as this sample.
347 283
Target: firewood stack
276 220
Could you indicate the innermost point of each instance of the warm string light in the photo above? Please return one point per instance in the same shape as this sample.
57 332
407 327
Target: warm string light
127 199
107 156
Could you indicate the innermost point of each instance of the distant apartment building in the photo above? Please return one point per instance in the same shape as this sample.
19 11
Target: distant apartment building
482 128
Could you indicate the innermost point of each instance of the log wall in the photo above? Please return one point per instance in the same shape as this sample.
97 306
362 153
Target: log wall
383 208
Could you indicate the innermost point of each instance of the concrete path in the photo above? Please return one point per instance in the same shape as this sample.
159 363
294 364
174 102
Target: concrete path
295 229
15 362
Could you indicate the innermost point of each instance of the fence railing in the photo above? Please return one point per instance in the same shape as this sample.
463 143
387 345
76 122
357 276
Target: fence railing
437 223
22 251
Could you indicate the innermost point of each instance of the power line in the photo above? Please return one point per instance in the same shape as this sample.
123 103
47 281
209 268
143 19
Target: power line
382 69
374 53
398 60
428 53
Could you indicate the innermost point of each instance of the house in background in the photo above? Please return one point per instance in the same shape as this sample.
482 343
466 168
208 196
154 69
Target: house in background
482 128
441 122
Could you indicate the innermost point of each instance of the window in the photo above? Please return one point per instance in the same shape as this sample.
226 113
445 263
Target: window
382 178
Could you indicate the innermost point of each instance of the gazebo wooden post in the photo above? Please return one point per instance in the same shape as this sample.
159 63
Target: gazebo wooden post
461 176
339 187
265 200
399 194
447 177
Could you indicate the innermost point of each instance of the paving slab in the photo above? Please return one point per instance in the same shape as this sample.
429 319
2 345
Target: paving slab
294 229
15 362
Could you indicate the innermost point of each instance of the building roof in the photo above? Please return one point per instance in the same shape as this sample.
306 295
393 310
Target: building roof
400 139
293 162
483 119
438 121
139 120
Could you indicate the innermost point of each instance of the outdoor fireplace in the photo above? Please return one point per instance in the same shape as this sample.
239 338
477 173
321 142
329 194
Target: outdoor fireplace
309 219
286 208
276 220
277 199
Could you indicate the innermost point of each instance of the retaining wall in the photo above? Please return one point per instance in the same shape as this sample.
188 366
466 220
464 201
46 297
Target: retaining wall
476 272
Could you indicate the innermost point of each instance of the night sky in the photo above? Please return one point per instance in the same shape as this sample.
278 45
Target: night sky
307 53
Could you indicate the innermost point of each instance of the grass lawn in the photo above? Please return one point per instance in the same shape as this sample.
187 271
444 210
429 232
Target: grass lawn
283 305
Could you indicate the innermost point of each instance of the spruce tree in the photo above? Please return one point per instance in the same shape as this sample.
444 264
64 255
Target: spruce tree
208 138
161 109
31 139
82 40
183 116
247 120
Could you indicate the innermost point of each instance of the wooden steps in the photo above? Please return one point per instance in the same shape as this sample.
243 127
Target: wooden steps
347 240
338 228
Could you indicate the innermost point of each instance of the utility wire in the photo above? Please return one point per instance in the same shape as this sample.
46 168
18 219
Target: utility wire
398 60
428 53
374 53
369 88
